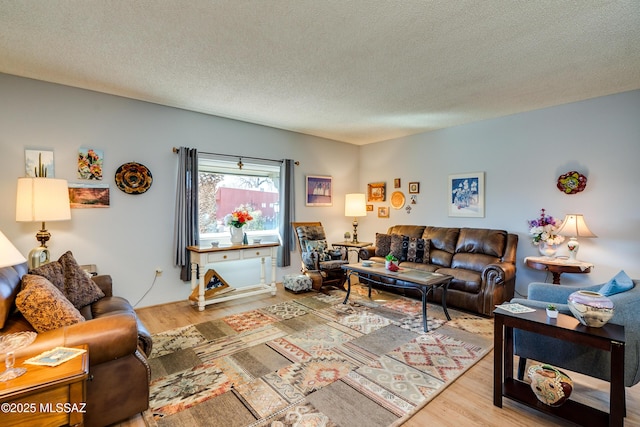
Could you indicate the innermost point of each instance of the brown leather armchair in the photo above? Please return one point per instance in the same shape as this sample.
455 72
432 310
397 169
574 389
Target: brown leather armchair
118 385
321 263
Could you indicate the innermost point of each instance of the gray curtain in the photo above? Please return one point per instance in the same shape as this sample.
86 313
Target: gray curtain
186 214
287 209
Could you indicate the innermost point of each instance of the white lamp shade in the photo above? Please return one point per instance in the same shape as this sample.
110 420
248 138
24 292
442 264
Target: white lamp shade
9 255
574 226
42 199
355 205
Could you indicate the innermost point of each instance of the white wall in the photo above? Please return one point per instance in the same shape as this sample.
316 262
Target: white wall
134 235
522 156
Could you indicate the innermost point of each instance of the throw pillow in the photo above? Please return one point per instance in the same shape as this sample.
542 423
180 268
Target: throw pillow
621 282
383 244
399 246
418 250
71 280
320 247
44 306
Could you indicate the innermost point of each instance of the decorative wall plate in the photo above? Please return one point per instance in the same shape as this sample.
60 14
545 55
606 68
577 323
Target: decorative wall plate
133 178
397 199
571 182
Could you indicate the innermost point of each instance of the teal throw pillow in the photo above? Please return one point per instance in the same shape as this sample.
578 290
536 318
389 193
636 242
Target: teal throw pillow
621 282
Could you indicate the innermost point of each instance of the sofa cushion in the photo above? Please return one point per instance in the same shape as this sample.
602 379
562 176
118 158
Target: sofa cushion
383 244
399 246
443 244
71 280
463 280
417 250
321 247
482 241
44 306
407 230
9 288
621 282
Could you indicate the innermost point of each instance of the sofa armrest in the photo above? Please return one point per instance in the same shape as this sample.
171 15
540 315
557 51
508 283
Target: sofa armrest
105 283
109 338
367 252
500 272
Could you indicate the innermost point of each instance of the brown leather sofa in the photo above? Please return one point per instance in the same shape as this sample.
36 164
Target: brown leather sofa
481 261
118 385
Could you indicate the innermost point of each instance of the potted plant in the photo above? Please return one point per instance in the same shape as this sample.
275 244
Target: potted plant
552 311
390 260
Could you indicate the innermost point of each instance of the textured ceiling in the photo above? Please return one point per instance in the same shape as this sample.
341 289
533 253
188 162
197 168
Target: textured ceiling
358 71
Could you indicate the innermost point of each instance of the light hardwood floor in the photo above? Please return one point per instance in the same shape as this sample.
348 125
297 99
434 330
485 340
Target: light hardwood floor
466 402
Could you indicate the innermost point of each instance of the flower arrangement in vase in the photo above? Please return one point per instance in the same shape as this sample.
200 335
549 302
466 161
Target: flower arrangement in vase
543 231
236 220
391 262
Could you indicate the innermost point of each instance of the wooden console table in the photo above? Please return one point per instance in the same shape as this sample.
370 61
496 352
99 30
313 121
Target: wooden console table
610 338
45 395
557 266
201 257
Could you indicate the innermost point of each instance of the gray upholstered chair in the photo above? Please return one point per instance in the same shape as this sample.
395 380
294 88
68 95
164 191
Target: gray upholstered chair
578 358
320 262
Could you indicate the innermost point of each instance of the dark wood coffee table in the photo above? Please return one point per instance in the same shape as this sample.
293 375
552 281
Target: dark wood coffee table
405 278
610 338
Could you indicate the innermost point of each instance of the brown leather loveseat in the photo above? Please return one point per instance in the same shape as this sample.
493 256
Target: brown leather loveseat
482 261
118 385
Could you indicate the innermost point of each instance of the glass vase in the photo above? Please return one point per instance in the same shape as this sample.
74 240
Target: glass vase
237 235
547 250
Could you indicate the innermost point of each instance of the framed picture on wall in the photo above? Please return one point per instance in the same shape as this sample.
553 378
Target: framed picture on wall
39 163
376 192
466 194
414 187
383 212
319 191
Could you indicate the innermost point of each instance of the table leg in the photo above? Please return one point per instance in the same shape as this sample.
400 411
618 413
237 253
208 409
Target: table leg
556 277
444 300
425 327
346 298
497 361
617 402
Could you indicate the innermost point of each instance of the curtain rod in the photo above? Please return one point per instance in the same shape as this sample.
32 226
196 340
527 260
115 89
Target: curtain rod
297 163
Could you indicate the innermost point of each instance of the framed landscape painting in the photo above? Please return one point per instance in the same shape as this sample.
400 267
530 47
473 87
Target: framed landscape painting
319 191
466 194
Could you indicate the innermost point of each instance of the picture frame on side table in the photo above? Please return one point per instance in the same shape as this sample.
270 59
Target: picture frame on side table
376 192
319 190
383 212
466 195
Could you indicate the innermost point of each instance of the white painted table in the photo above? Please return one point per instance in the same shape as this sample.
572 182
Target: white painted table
201 257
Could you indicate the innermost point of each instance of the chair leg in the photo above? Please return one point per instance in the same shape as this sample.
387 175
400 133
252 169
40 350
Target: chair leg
522 364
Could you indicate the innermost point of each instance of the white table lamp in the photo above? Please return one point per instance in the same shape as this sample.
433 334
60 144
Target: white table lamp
42 200
355 206
9 255
573 227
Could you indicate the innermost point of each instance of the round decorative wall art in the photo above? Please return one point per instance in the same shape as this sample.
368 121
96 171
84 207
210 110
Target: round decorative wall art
397 199
133 178
571 182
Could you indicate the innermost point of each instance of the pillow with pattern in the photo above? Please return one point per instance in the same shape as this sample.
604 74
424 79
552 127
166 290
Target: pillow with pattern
383 244
410 249
44 306
399 245
320 247
66 275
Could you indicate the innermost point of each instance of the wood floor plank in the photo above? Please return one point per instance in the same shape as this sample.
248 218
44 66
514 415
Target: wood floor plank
466 402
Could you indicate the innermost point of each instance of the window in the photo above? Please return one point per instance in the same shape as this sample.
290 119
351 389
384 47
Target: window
223 187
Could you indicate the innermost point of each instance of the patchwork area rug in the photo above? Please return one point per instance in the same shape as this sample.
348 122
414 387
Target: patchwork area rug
313 361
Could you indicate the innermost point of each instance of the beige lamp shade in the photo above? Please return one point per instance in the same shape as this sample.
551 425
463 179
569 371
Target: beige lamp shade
574 226
42 199
9 255
355 205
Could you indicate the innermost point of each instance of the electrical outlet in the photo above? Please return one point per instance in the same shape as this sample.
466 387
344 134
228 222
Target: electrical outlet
158 271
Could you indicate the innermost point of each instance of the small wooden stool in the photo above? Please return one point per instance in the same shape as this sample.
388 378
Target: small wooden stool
296 283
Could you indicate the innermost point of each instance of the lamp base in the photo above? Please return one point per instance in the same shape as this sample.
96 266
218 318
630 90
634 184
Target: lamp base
38 257
355 231
573 247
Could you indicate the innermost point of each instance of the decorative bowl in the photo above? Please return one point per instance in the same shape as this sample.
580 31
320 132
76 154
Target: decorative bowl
590 308
551 386
367 263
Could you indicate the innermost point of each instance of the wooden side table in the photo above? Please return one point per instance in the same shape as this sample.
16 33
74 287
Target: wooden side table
610 338
45 395
352 246
557 266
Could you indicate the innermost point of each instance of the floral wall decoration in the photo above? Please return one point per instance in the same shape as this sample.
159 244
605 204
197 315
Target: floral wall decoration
572 182
90 163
